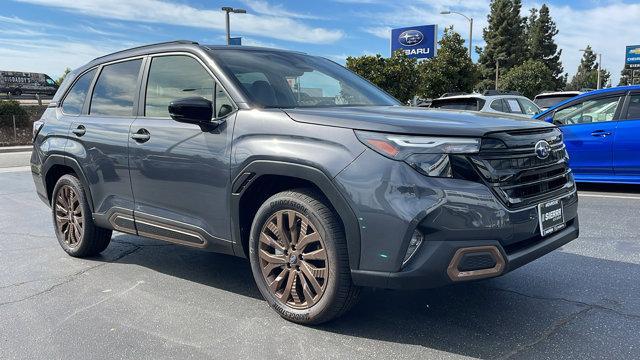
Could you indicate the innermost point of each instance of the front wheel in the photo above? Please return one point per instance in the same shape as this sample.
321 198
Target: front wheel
299 258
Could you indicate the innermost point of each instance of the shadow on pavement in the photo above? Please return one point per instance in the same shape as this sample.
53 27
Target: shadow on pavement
516 314
613 188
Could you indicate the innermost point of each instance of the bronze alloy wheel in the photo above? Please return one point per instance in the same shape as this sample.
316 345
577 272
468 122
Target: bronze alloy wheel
293 259
68 213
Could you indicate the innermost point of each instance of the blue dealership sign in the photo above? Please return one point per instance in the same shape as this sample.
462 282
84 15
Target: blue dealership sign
417 42
632 59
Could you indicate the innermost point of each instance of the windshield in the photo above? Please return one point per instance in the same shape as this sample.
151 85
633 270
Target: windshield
289 80
549 101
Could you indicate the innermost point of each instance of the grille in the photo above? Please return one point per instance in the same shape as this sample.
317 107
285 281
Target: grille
509 165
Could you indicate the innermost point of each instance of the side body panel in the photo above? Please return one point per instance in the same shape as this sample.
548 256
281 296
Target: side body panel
103 156
268 142
182 174
626 143
590 148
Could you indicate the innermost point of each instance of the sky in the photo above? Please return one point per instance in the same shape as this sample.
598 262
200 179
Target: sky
51 35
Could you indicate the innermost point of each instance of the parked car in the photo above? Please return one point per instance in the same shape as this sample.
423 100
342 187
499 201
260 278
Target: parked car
601 130
549 99
317 176
18 83
494 102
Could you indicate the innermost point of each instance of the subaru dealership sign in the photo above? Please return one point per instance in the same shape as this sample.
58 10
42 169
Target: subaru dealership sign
417 41
632 58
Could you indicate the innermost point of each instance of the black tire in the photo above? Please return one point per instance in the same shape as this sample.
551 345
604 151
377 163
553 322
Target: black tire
93 239
340 293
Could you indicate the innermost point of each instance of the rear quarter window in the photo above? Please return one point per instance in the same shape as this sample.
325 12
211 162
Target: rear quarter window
74 101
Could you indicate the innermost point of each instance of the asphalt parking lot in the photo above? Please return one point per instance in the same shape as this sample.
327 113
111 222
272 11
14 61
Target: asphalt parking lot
144 299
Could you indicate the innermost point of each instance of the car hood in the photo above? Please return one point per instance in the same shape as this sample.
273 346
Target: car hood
412 120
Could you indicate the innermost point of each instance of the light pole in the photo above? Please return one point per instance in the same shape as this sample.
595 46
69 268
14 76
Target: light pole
599 86
228 10
470 19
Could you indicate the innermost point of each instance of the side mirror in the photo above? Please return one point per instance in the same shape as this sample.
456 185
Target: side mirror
586 119
549 119
192 110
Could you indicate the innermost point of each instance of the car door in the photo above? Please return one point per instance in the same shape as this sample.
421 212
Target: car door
588 127
99 138
179 171
626 142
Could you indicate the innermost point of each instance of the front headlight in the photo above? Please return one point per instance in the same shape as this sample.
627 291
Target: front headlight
430 155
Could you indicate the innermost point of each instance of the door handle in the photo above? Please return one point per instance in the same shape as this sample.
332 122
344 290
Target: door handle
141 136
600 133
80 130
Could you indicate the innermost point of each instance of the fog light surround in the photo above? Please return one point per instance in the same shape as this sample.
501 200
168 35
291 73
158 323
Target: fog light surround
416 240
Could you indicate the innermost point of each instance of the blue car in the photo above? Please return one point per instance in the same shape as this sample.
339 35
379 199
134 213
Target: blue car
602 133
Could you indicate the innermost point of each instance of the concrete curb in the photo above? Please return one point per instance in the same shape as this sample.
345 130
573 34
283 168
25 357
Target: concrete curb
13 149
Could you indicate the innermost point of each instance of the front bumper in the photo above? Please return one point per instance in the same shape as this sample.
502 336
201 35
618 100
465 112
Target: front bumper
430 269
392 200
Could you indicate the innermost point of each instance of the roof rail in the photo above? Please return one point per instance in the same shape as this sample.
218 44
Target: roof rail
150 45
500 92
454 94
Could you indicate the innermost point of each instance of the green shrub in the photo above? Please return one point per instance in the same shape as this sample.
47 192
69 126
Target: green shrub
8 108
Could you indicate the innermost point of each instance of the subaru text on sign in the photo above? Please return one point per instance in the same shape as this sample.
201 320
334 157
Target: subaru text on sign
417 42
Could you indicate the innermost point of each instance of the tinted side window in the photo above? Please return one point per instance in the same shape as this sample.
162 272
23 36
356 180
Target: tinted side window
115 89
588 111
513 106
528 107
73 102
634 108
175 77
497 105
221 99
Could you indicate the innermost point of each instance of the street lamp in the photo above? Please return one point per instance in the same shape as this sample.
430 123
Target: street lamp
470 19
599 86
228 10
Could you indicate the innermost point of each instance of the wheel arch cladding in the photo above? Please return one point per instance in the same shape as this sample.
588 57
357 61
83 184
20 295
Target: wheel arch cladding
57 166
263 178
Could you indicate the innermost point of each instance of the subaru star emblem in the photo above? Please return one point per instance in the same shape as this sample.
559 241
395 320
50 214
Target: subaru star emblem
410 38
542 149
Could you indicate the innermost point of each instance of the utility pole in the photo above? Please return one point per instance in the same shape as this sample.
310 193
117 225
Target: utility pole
229 10
599 71
497 71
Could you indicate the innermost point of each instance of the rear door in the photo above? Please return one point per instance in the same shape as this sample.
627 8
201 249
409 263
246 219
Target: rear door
99 138
626 143
589 127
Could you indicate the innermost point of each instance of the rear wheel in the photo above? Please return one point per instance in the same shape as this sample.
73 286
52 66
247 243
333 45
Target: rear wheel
75 230
299 258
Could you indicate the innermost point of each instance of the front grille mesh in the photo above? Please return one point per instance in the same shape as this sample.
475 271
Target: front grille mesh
518 176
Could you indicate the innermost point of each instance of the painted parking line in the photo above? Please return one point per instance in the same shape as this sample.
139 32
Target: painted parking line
15 169
628 197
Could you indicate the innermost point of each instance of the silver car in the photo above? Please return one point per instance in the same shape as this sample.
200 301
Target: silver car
489 102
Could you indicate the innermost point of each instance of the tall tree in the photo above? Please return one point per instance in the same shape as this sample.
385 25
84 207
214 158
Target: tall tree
530 78
626 77
395 75
586 76
450 71
505 40
541 30
64 75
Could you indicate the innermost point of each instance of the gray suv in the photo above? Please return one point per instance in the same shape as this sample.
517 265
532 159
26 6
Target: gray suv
325 182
